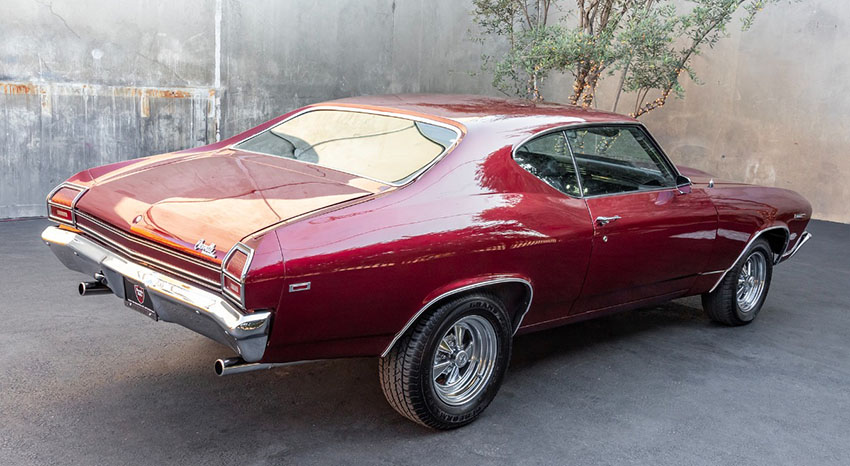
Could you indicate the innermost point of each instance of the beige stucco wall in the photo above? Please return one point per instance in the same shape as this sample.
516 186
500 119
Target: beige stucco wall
773 109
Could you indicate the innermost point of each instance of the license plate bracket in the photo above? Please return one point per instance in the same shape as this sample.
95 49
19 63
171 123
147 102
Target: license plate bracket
138 299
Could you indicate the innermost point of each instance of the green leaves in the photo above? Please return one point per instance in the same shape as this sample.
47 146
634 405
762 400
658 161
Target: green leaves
648 43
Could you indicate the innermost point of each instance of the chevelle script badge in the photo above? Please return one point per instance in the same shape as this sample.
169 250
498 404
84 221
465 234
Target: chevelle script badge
207 249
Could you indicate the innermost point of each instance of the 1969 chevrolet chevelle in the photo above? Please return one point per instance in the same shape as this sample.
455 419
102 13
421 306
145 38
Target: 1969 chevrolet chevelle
427 230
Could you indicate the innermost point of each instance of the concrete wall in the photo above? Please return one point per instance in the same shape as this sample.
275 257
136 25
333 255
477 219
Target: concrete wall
84 83
89 82
775 106
282 55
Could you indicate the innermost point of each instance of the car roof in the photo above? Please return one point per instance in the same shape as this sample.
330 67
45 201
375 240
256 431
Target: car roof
508 116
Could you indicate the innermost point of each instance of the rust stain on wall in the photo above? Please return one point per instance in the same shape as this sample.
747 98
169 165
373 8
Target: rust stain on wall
56 129
15 88
155 93
46 90
88 89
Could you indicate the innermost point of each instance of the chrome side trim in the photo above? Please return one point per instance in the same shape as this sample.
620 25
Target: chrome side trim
575 164
174 300
756 236
461 290
141 242
148 259
296 287
320 107
806 236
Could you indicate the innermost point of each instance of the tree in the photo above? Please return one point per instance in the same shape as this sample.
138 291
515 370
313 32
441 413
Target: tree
649 44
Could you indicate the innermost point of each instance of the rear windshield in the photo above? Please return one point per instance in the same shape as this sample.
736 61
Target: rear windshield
384 148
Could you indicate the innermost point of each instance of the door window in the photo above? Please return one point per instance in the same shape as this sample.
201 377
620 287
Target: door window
548 158
617 159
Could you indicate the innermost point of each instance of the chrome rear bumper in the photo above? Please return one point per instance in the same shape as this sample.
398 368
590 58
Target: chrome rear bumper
173 300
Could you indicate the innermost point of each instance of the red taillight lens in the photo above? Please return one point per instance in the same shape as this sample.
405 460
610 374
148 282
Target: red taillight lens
236 264
233 270
231 285
64 196
60 202
60 213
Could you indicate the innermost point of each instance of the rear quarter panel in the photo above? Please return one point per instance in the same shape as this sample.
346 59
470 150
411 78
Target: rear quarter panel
372 266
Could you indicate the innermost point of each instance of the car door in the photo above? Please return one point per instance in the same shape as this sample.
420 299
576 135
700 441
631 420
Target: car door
650 239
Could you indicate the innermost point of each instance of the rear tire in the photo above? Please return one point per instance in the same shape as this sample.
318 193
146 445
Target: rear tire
740 296
448 368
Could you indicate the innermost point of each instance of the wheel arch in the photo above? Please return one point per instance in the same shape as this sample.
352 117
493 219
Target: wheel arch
516 293
777 237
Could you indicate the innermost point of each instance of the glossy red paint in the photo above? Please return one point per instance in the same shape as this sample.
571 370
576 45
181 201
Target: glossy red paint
256 190
659 246
375 255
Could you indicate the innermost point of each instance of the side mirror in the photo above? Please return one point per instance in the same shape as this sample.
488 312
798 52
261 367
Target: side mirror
683 184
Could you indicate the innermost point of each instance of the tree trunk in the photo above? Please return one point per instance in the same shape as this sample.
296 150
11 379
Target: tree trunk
579 85
620 86
590 87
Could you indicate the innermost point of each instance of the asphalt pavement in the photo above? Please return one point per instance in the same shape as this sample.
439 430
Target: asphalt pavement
86 381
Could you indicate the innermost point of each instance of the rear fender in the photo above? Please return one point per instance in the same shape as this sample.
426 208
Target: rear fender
456 288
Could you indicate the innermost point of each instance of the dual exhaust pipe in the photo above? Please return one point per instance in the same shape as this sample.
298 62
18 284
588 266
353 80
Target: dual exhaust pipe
224 366
230 366
96 287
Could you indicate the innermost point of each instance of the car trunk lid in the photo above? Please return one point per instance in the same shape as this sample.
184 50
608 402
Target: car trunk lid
218 197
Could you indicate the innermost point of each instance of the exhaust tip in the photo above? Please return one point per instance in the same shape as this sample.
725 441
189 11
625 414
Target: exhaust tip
97 287
219 367
230 366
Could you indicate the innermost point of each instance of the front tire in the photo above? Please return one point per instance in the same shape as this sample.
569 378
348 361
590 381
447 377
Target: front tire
449 367
739 297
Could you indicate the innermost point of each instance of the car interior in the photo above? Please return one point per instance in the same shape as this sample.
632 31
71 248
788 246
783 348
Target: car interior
610 160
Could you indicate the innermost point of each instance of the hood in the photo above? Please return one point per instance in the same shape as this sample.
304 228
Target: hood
701 178
220 196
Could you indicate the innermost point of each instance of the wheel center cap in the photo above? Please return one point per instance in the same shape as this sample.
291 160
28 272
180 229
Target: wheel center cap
461 358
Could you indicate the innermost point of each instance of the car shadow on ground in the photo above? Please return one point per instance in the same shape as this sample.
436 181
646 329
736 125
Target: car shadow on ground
293 408
562 342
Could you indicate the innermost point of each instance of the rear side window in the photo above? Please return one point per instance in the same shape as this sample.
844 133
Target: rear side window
618 159
380 147
548 158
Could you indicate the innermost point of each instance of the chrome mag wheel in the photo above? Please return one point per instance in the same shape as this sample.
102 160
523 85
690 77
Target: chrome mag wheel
751 281
464 360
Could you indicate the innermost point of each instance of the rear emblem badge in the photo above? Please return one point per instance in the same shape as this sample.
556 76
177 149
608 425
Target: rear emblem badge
206 249
140 294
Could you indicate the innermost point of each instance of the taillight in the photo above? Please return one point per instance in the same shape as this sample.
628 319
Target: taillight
233 287
233 270
61 214
61 202
236 265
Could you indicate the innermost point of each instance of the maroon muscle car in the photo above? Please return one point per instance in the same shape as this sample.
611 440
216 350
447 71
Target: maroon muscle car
426 230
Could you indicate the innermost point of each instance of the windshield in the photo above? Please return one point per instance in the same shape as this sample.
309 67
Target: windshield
384 148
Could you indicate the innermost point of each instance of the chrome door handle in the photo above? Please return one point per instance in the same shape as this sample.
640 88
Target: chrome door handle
607 220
